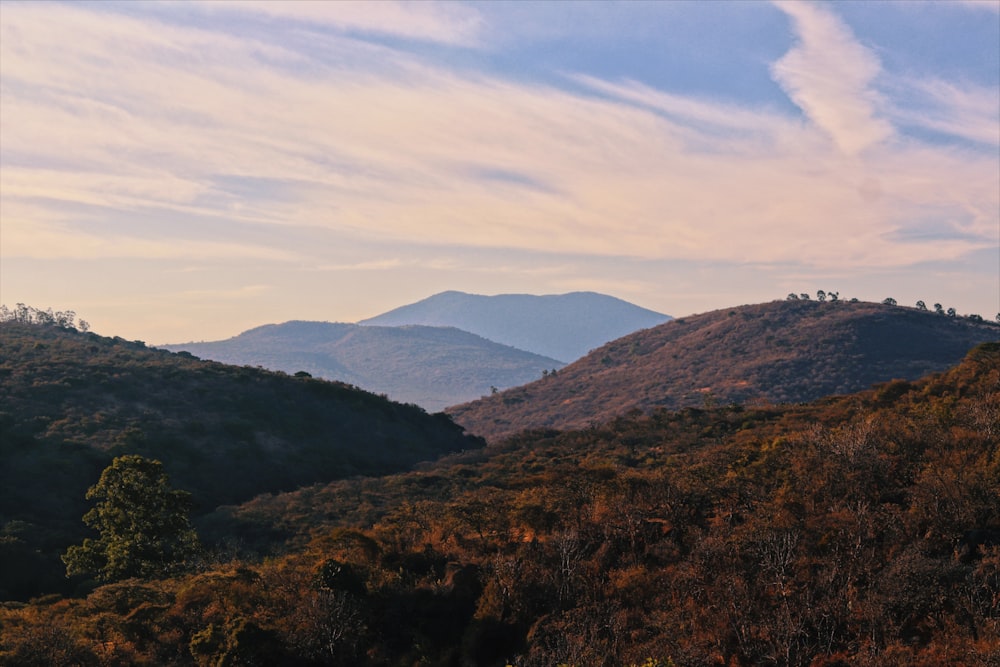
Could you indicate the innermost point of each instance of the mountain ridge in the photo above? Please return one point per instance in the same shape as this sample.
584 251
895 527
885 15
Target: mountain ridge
428 366
782 351
559 326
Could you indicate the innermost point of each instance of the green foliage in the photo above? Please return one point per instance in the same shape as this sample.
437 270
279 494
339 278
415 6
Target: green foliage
238 642
143 524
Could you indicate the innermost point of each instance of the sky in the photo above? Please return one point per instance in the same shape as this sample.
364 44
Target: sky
184 171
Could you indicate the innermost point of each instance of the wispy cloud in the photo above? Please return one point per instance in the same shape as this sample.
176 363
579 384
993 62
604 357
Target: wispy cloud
447 23
710 120
968 111
243 292
829 74
986 5
104 113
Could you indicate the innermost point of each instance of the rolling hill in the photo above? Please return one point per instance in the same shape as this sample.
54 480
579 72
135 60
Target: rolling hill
432 367
563 326
860 529
782 352
71 401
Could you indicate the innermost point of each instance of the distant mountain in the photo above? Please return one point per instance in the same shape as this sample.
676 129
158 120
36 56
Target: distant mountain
71 401
564 326
785 351
432 367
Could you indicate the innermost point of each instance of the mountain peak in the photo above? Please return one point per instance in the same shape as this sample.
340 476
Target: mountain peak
559 326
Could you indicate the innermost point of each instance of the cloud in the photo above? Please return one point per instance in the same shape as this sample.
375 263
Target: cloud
243 292
829 75
987 5
370 265
127 114
447 23
968 111
36 230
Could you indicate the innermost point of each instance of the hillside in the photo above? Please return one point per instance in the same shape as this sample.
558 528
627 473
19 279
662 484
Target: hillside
560 326
71 401
856 530
432 367
779 352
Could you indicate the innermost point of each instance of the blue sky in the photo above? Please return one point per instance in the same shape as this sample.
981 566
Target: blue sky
179 171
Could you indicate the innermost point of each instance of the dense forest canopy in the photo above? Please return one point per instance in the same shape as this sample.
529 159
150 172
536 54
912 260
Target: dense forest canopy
72 401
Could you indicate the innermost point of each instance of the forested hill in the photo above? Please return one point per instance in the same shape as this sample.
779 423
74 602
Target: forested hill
782 352
71 401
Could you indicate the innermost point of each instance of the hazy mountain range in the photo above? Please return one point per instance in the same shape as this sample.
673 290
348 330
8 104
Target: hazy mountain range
444 350
784 351
560 326
432 367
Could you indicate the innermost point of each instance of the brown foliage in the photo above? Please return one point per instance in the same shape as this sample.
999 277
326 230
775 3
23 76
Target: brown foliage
780 352
860 530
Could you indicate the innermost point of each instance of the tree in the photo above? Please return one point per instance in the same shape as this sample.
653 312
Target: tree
939 309
889 301
26 314
792 296
921 305
820 295
143 523
952 312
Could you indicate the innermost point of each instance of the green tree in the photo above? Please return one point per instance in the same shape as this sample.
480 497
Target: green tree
143 523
